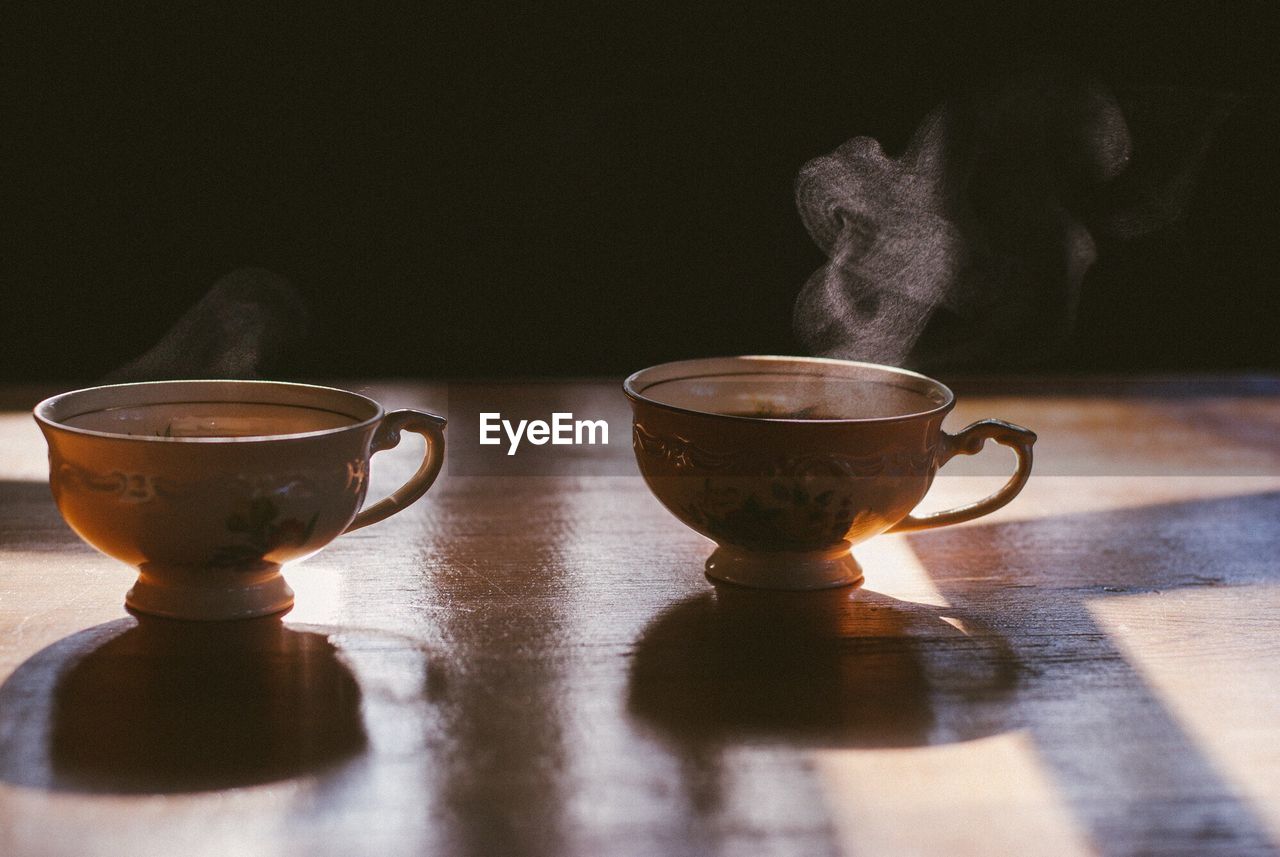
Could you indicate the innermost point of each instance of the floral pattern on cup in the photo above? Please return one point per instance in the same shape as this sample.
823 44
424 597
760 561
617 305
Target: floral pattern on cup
793 500
797 511
261 530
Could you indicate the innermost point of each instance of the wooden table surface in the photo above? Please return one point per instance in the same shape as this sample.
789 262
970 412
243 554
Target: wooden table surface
534 664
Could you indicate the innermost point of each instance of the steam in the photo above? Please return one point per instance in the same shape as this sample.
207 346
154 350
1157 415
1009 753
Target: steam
247 321
970 247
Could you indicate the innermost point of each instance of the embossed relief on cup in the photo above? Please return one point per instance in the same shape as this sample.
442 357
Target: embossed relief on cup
124 487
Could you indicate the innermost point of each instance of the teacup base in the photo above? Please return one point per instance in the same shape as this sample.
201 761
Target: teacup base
209 594
793 570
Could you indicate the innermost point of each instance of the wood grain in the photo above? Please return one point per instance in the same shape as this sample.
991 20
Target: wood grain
534 664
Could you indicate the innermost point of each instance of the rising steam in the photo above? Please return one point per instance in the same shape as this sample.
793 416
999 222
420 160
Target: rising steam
969 248
247 321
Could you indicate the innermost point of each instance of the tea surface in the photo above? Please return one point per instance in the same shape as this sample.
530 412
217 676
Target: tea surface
210 419
793 397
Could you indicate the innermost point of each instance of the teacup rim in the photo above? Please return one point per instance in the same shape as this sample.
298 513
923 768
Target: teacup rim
636 395
40 411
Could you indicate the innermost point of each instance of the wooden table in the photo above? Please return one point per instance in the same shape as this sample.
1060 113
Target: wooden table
534 664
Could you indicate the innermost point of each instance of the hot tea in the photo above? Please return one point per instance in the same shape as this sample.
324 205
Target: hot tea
210 419
781 396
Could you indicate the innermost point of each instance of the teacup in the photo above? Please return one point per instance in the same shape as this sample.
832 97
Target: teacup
209 487
787 462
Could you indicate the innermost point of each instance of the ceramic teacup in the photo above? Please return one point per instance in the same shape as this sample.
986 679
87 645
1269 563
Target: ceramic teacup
209 487
787 462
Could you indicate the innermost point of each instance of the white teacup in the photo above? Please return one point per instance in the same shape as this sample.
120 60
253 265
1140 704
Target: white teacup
209 487
788 462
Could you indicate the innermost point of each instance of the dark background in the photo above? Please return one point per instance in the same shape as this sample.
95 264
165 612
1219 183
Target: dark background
488 189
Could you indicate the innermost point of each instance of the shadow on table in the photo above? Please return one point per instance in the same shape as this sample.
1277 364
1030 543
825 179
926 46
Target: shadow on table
833 668
152 705
1135 778
836 669
29 520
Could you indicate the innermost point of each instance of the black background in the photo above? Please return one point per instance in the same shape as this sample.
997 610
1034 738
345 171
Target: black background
489 189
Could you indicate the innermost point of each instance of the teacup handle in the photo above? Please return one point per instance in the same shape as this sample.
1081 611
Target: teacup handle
431 427
969 442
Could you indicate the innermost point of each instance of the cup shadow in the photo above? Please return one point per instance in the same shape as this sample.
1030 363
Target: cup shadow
30 520
831 668
148 705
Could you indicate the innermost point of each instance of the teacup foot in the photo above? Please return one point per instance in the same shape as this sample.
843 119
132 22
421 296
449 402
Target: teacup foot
785 569
209 594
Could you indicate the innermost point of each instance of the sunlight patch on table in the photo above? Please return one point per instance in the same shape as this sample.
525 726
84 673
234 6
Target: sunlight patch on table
1053 496
891 567
317 590
1213 657
986 797
215 824
23 455
45 595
